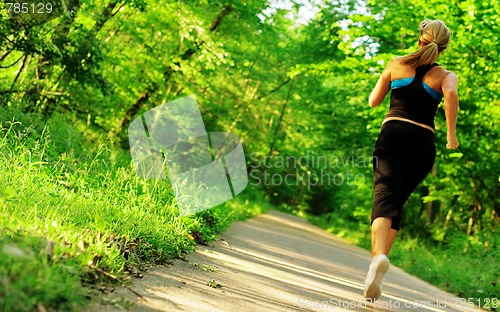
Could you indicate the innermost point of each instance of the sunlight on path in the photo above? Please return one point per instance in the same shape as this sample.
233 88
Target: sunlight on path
278 262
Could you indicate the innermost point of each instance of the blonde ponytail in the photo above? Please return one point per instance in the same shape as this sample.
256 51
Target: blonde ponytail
434 38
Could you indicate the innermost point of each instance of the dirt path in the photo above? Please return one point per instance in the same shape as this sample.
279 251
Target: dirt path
277 262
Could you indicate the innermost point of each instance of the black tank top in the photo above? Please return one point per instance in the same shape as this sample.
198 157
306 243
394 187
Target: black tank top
413 102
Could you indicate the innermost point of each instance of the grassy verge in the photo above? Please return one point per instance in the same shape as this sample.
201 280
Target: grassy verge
72 208
464 266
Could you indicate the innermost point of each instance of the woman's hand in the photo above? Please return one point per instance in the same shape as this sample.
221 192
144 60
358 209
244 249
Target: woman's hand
452 142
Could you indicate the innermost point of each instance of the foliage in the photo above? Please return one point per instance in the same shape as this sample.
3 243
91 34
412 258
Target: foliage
294 89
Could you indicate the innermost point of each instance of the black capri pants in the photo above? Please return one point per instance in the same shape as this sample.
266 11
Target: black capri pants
403 156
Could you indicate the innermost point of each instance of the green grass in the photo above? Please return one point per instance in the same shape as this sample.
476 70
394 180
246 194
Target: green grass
71 202
463 265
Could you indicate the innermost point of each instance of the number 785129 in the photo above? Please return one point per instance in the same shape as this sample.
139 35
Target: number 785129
26 8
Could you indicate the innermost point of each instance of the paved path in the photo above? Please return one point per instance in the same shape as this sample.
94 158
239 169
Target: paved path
278 262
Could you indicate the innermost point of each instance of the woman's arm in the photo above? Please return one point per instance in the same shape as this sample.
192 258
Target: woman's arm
449 85
382 87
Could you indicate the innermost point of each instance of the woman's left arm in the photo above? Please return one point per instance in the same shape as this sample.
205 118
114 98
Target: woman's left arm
382 87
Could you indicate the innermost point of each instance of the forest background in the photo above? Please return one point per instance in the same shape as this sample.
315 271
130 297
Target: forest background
290 78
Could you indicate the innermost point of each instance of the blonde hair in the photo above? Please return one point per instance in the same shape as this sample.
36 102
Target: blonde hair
434 37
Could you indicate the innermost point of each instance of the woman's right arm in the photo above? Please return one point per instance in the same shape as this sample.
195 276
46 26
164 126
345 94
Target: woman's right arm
449 85
382 87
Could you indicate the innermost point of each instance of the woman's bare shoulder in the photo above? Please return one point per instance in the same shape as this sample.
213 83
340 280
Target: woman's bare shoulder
396 60
442 72
398 69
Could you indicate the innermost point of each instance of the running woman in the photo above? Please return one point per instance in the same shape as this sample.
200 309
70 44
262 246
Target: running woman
405 150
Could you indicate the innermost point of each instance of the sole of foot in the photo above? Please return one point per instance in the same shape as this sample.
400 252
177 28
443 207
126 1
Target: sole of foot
375 277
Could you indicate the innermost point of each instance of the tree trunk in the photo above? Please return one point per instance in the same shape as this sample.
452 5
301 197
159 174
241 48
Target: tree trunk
218 19
429 206
278 126
106 16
